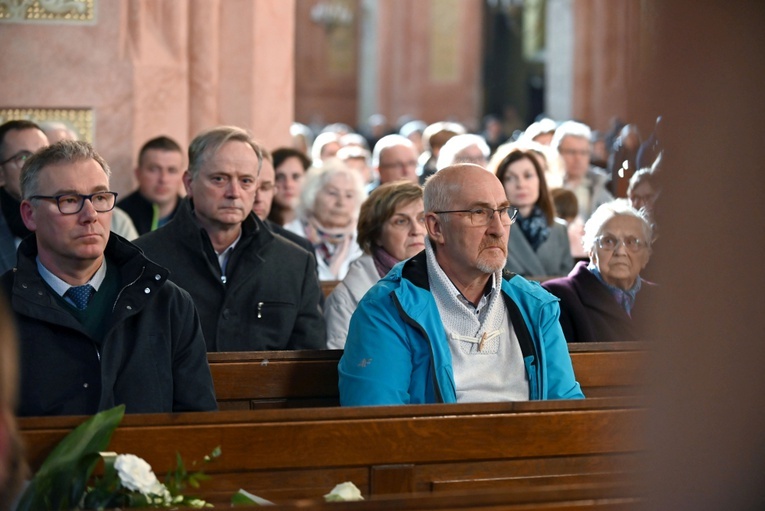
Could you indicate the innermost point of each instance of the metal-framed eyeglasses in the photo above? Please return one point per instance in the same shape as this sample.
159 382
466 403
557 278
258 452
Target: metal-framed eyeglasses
481 217
18 158
72 203
610 243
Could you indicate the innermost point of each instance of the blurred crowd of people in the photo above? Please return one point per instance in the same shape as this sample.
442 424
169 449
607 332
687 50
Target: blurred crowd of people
223 247
246 234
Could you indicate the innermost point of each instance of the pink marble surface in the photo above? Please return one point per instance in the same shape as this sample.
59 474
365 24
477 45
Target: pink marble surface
158 67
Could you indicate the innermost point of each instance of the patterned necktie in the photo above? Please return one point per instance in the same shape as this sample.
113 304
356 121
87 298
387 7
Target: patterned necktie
80 295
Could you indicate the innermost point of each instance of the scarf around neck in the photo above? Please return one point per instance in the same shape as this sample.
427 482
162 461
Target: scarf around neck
383 260
331 244
534 227
626 299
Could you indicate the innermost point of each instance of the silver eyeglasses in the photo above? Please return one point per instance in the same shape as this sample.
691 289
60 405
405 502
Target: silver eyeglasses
610 243
72 203
481 217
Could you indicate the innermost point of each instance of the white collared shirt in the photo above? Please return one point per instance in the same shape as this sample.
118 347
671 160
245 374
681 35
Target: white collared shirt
225 255
60 287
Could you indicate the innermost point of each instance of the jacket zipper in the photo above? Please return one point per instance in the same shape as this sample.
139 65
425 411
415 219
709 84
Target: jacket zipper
114 307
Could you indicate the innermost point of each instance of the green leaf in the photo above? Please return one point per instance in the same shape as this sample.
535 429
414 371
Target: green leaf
63 477
245 498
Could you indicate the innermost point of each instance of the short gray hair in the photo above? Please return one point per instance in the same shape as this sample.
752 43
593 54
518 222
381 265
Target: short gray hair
570 129
457 144
605 213
206 144
64 151
387 142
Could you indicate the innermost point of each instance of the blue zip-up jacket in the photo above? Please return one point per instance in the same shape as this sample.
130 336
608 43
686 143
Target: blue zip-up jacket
397 351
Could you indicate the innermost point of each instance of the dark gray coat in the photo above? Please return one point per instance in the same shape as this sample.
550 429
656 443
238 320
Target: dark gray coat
552 258
270 300
152 357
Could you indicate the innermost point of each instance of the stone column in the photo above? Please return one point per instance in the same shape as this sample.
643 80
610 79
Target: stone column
204 34
242 67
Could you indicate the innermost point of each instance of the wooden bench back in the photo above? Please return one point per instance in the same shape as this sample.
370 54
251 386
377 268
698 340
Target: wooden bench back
303 453
601 496
327 286
289 379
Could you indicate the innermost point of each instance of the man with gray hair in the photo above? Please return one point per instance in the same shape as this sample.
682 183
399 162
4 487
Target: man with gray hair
394 157
99 324
572 140
448 325
254 290
465 148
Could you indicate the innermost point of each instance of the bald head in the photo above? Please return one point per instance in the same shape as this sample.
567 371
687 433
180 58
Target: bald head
443 188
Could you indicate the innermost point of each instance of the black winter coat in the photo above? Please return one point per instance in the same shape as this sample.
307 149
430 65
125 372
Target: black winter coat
152 358
270 298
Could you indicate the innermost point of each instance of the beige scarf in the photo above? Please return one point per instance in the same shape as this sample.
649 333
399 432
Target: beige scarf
331 244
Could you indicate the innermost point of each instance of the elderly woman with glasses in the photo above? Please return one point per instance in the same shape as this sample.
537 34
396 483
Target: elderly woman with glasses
604 300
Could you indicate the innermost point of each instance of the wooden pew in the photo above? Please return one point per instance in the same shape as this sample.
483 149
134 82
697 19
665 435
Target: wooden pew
302 453
289 379
275 379
327 286
610 368
618 496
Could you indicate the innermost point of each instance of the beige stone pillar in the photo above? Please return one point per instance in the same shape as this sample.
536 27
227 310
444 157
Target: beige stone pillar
241 67
150 67
157 51
204 22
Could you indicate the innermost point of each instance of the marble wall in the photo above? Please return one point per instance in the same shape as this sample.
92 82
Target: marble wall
150 67
129 70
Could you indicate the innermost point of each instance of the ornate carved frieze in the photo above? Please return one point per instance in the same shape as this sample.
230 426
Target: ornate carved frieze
80 120
42 11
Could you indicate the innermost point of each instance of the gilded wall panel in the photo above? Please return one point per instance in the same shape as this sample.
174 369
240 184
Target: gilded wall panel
81 120
43 11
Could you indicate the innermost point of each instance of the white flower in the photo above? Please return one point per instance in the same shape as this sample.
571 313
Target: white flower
135 474
344 492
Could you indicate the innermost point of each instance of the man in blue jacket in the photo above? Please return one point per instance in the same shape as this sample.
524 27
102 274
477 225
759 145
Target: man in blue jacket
447 325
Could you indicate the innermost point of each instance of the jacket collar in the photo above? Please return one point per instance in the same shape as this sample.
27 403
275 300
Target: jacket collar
415 270
253 229
140 278
593 293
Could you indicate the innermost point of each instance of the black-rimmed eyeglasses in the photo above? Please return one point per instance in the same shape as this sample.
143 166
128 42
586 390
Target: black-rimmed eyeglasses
18 158
72 203
481 217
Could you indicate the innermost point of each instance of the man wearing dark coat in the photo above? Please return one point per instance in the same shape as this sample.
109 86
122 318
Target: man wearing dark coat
18 140
254 290
159 173
99 325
